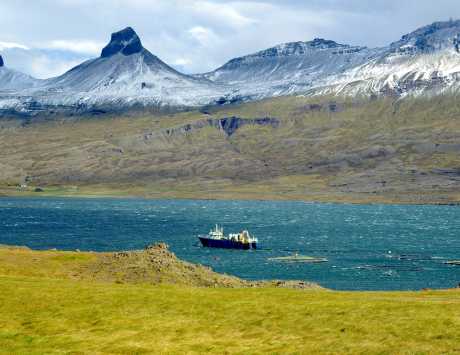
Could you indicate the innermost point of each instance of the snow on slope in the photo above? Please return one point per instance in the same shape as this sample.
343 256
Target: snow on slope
13 80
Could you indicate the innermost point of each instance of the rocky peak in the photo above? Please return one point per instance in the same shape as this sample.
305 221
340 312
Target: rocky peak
438 35
1 61
323 43
126 42
301 48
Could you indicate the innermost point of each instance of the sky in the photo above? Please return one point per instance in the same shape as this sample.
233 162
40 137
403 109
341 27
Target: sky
45 38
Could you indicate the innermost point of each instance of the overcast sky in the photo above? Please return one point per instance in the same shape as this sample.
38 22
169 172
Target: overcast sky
46 37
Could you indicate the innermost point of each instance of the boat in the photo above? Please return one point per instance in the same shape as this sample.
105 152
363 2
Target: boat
217 239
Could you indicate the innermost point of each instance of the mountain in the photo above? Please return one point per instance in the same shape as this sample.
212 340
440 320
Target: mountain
423 62
125 75
426 61
14 80
289 68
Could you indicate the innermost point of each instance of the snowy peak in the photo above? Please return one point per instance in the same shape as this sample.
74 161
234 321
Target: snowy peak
125 75
301 48
297 48
431 38
292 51
2 63
289 68
126 42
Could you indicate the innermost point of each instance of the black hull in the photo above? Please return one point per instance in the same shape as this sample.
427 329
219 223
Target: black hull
226 244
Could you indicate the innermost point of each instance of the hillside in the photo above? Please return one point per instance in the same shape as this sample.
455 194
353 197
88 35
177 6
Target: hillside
47 306
320 149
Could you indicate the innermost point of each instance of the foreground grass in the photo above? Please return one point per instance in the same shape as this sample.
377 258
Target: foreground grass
51 316
45 309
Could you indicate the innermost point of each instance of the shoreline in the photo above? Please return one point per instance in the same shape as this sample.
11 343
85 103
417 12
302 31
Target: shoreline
223 196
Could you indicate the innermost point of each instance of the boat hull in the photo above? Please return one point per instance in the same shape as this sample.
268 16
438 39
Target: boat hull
226 244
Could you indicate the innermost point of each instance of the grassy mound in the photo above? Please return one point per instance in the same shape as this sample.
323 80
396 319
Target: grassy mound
155 265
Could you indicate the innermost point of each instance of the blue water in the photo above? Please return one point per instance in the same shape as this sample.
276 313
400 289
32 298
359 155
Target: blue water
369 247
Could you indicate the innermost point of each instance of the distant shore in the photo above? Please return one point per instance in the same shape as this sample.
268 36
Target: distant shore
148 193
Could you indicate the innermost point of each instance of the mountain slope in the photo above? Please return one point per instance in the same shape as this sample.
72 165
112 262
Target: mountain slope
285 148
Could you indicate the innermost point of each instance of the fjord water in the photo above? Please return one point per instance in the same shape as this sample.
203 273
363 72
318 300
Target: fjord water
369 247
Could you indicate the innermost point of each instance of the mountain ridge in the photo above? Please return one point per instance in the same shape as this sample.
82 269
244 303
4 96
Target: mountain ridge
423 62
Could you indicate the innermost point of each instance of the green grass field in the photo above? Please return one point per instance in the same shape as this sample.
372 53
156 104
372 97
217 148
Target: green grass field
44 309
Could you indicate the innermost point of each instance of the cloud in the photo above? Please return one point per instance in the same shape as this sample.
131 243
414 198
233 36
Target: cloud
77 46
200 35
9 45
204 36
226 14
42 66
41 63
182 61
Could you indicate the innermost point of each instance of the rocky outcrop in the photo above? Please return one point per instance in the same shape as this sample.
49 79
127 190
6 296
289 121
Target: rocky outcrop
156 264
126 42
2 63
228 125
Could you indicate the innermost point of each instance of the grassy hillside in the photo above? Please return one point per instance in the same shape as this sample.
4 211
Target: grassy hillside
47 306
322 149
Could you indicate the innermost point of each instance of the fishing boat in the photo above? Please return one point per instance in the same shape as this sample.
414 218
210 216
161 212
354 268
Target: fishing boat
217 239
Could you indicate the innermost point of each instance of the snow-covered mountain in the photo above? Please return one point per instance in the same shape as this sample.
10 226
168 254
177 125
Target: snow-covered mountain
290 68
125 75
424 62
